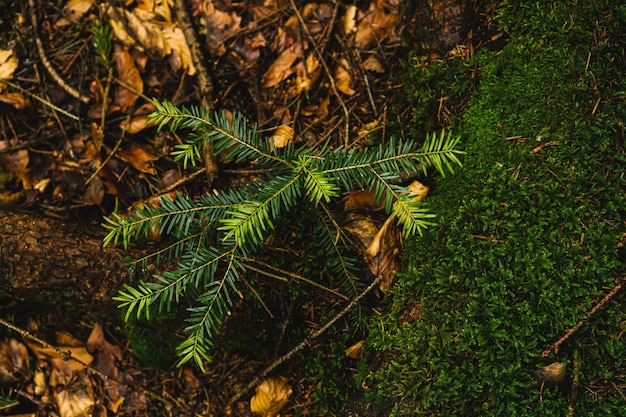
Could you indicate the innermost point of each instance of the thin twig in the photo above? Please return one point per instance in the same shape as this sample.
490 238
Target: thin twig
326 69
306 342
570 332
46 102
294 276
46 63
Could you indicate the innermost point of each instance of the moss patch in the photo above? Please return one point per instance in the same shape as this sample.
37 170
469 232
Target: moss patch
531 233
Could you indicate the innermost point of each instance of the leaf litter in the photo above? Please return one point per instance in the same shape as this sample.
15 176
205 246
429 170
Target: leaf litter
299 66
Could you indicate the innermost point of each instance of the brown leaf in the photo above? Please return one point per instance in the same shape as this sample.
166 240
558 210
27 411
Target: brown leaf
127 72
158 37
282 136
107 357
418 190
281 68
17 100
552 374
14 363
139 158
373 64
73 11
360 201
342 77
220 23
271 396
139 120
376 23
77 398
355 350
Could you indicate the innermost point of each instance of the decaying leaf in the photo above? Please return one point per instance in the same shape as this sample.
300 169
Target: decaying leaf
373 64
73 11
139 119
348 20
355 350
8 65
551 375
418 190
76 399
139 158
342 77
127 72
159 37
14 363
271 396
282 67
283 136
220 22
360 201
376 23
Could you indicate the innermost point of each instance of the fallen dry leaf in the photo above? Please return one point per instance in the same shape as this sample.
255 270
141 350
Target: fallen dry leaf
373 64
158 37
139 119
219 22
418 190
271 396
73 11
552 374
76 399
139 158
14 363
282 67
283 136
376 23
355 350
8 65
127 72
343 78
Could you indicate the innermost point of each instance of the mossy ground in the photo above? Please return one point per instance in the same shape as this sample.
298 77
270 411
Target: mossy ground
530 239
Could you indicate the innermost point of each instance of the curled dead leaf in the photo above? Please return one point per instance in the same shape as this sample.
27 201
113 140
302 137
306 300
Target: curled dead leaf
552 374
14 363
343 78
283 136
73 11
127 72
139 158
418 190
355 350
271 396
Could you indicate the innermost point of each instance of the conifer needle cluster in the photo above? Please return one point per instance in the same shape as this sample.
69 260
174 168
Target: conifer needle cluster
214 239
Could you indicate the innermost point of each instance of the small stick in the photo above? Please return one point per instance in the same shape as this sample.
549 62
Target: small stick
570 332
46 102
46 63
306 342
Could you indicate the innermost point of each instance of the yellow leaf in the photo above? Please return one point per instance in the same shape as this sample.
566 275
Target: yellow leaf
283 136
419 190
342 77
73 11
355 350
271 396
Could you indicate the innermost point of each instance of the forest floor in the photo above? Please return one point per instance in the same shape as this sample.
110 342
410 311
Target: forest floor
78 81
530 232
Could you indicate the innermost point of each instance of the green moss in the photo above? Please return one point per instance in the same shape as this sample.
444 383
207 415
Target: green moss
529 241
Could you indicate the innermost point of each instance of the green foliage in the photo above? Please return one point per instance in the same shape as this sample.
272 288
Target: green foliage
102 41
216 238
529 241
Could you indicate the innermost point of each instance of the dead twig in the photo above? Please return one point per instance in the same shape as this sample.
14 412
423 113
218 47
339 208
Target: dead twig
46 63
555 347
